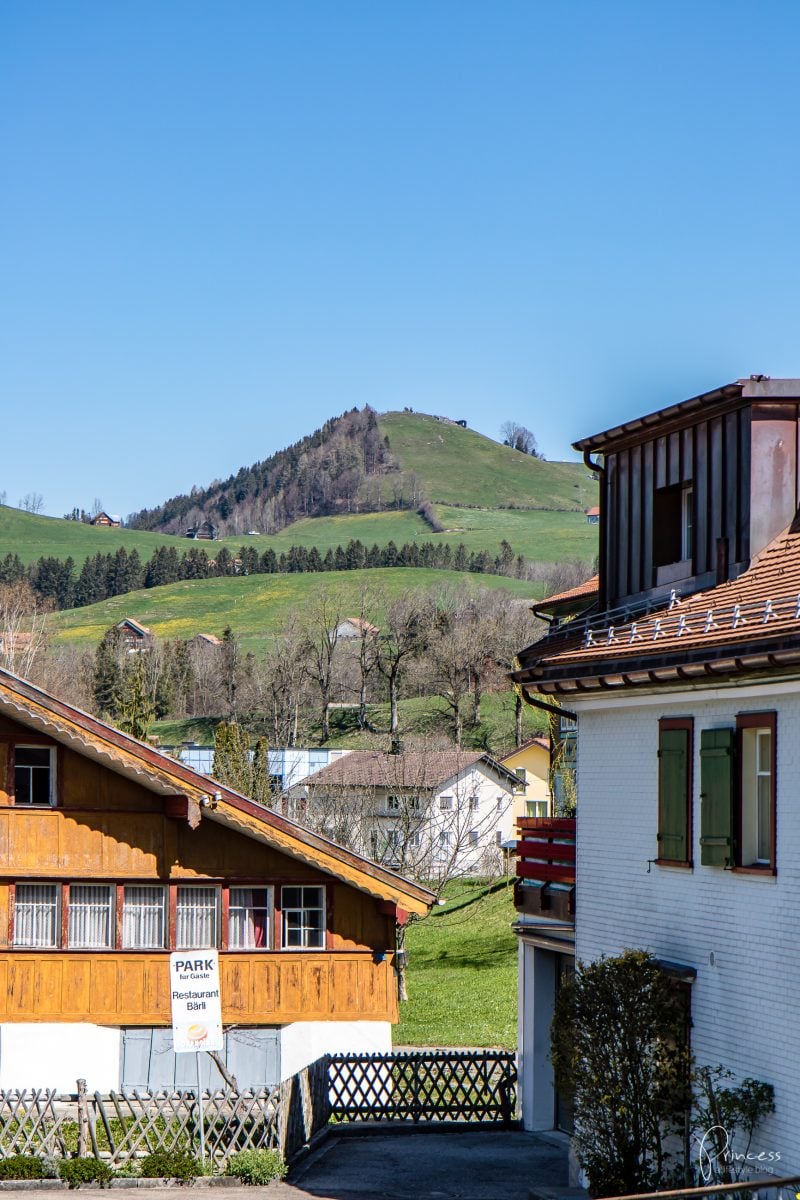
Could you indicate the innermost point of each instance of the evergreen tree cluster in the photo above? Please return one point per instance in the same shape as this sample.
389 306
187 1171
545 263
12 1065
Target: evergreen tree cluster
234 764
105 575
132 690
319 475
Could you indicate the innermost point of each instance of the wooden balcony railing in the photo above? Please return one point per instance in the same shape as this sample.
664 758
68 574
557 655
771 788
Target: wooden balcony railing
546 860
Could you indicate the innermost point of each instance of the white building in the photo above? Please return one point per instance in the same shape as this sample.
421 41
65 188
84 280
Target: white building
429 814
684 676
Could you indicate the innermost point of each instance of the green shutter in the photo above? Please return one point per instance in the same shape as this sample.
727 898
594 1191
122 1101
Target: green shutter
673 792
716 797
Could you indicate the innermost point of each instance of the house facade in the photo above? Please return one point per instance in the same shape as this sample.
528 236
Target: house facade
530 762
428 814
113 855
683 677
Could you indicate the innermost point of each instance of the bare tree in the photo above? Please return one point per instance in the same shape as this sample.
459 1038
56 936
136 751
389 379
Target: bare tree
404 636
279 682
518 437
32 502
321 638
23 633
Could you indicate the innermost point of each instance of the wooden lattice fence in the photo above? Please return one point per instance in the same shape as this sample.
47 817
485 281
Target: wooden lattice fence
124 1126
435 1085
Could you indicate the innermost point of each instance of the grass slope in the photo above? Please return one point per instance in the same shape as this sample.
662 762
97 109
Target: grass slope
255 606
462 973
32 536
460 466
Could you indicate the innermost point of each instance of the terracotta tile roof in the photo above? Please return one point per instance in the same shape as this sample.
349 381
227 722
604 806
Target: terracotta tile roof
585 590
426 770
593 512
538 740
756 614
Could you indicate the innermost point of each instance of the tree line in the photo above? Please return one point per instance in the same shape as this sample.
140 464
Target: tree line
105 575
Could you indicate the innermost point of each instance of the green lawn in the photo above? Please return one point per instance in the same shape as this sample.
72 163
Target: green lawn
462 972
255 606
460 466
32 536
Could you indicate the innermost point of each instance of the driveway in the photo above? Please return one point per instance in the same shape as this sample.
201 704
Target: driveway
418 1165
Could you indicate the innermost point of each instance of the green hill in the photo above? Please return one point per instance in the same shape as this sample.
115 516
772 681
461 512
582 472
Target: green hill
460 466
255 606
32 536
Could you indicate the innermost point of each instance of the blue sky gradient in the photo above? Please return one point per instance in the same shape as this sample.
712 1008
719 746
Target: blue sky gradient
222 223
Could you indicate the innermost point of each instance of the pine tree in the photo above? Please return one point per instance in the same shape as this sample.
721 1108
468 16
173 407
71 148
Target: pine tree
261 789
107 680
136 706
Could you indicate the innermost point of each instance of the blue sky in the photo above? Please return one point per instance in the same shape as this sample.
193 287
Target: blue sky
221 223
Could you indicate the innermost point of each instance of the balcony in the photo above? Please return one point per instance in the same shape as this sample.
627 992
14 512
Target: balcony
545 882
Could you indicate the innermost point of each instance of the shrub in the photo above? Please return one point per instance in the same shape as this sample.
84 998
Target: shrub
84 1170
166 1164
21 1166
257 1166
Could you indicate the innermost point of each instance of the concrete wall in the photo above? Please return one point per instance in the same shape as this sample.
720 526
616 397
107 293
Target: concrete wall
305 1041
739 931
56 1056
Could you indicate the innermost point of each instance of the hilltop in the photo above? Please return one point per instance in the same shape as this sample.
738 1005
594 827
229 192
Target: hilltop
361 462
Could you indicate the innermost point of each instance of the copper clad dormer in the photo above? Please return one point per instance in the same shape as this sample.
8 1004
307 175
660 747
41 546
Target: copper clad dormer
690 493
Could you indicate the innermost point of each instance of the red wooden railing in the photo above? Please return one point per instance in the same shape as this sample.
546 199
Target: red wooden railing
546 855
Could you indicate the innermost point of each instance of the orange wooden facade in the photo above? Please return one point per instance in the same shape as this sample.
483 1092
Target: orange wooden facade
107 828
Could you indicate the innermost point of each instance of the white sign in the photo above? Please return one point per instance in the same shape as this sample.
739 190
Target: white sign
196 1007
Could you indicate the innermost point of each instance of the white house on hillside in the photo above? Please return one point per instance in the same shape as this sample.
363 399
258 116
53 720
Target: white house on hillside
429 814
684 676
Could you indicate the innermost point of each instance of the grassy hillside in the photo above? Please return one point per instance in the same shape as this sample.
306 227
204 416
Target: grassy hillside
32 536
254 606
460 466
464 949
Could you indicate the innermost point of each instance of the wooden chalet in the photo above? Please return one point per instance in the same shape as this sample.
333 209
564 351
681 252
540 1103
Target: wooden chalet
135 636
112 855
107 520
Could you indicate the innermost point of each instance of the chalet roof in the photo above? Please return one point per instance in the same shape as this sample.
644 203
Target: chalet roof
538 740
359 624
750 623
115 517
135 626
210 638
594 511
196 797
423 770
757 387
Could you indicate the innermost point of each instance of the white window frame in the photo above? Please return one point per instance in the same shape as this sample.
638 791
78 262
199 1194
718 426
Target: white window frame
135 943
183 943
87 910
303 909
234 908
446 803
754 801
393 804
31 942
687 523
51 769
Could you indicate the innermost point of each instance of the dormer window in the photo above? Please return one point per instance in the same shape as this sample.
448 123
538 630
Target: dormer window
673 532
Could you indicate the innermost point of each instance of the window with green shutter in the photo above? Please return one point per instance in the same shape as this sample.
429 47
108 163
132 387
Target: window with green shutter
674 790
717 749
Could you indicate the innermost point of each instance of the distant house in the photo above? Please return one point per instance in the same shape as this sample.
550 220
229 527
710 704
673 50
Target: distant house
206 531
109 520
531 763
427 814
355 627
593 515
137 637
462 423
205 639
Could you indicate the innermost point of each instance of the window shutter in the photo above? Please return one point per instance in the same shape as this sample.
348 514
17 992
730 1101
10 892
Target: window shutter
673 768
716 797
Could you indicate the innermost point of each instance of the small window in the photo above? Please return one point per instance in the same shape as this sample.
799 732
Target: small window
33 775
687 523
196 918
143 924
498 837
756 789
474 803
249 918
446 803
445 842
303 918
501 803
473 837
90 923
36 915
393 804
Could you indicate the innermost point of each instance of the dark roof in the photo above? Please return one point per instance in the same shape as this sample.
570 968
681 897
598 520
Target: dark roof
588 590
750 623
757 387
426 770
